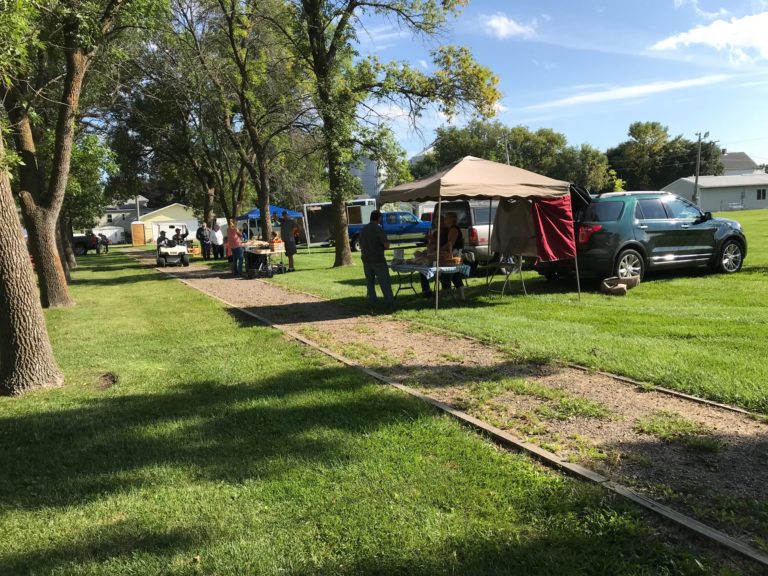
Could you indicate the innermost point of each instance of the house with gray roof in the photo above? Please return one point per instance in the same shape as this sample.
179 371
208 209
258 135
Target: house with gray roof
735 163
721 193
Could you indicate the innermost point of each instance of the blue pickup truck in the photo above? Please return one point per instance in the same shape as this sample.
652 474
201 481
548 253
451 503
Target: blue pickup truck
400 227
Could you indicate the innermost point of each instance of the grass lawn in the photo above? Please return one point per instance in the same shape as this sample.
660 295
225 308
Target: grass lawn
706 334
225 449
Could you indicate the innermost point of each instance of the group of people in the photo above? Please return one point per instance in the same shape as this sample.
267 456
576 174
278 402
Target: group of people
212 240
374 242
177 238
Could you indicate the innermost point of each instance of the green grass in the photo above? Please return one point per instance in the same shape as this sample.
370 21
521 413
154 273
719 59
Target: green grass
223 449
701 333
672 427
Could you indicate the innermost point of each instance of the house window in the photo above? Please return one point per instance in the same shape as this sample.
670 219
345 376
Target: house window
109 217
761 193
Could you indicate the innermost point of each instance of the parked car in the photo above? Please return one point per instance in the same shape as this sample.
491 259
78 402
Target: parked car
82 243
627 233
475 218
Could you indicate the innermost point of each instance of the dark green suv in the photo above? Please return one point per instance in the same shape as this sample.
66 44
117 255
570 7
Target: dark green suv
626 233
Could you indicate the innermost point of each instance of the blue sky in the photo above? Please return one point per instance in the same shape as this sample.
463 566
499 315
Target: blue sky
589 68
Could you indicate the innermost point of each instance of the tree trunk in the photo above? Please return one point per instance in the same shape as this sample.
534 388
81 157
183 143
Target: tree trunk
209 192
339 210
62 256
26 358
264 198
41 228
65 234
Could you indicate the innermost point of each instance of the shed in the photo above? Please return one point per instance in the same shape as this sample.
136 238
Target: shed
168 218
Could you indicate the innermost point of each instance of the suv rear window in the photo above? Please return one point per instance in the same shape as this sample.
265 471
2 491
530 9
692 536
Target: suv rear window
604 212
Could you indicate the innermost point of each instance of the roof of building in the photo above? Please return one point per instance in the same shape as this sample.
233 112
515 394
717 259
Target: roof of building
738 161
166 207
729 181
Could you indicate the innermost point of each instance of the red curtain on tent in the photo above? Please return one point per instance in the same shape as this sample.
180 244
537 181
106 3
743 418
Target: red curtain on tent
553 221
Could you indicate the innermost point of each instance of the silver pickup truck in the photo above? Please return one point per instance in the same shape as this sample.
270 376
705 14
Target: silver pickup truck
475 218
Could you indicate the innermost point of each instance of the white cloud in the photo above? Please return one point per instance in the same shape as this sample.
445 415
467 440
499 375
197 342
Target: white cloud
424 64
382 37
719 13
628 92
500 26
742 38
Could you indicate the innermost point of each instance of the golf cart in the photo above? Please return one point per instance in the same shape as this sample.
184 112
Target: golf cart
173 254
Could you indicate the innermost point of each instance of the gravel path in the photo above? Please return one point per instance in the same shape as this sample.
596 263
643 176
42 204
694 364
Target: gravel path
717 473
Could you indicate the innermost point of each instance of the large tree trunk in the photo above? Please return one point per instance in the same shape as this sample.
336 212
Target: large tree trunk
26 357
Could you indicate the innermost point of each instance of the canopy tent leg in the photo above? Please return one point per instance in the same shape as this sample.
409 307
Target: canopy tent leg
522 280
437 261
578 280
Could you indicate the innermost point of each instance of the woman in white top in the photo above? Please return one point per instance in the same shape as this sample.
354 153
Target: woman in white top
217 242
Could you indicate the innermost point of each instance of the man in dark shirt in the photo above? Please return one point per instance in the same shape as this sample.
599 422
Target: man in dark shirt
373 242
179 238
162 240
288 227
204 237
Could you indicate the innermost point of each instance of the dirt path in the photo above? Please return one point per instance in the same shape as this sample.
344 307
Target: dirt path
704 461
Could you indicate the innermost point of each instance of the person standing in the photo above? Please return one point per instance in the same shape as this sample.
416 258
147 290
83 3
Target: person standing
288 229
373 243
203 236
217 242
235 241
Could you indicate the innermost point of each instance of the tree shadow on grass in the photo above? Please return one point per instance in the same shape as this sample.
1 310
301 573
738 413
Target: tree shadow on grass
228 432
119 280
120 541
293 424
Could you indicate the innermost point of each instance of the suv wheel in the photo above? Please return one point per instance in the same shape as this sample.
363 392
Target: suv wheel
731 257
629 263
355 244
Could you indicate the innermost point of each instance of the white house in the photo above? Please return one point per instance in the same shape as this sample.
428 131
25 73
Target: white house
720 193
121 215
735 163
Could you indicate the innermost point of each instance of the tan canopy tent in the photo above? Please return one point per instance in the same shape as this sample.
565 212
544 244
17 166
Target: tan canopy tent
475 178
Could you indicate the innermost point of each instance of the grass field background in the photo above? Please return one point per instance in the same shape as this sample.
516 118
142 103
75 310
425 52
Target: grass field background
225 449
701 333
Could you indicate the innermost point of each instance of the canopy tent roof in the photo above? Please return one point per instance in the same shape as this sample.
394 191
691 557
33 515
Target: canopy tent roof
473 177
256 213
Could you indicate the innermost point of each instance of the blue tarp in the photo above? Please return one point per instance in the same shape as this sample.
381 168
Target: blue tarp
256 213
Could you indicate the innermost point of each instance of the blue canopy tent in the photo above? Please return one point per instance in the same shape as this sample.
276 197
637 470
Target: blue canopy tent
255 214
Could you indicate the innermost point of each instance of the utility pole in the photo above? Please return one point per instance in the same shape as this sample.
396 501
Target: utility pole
698 166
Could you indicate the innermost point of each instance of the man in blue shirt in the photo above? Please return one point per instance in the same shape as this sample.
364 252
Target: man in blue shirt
373 243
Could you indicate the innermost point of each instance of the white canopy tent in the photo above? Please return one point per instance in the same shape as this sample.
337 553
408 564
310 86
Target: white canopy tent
475 178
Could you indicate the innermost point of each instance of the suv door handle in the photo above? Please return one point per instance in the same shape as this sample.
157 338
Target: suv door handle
685 226
642 227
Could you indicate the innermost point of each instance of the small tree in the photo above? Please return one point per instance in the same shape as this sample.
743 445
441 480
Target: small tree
323 33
